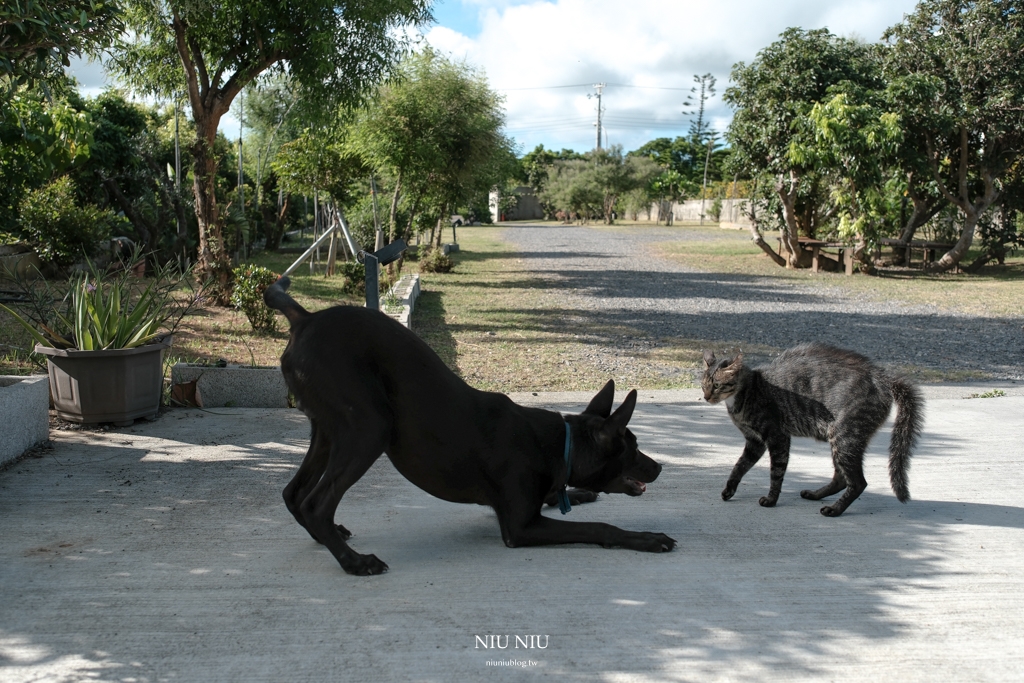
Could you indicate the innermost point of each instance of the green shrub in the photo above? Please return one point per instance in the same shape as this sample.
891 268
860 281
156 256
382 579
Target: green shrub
60 230
434 260
247 295
353 277
716 209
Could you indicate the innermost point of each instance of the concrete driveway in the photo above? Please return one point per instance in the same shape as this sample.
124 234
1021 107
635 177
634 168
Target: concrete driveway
163 552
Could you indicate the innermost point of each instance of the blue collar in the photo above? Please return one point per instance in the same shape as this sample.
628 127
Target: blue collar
563 497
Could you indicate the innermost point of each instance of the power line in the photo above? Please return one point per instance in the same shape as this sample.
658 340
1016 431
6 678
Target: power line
590 85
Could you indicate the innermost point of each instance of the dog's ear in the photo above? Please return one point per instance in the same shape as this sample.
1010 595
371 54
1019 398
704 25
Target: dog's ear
620 418
601 404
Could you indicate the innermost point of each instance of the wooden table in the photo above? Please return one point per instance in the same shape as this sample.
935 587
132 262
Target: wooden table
845 252
927 249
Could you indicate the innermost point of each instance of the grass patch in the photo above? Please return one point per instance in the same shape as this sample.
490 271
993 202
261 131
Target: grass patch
501 328
995 393
504 328
994 291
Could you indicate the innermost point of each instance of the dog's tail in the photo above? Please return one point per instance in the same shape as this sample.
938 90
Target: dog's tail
277 298
906 429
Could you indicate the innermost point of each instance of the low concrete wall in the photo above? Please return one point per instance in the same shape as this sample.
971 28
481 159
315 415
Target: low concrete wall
732 214
406 291
24 413
237 386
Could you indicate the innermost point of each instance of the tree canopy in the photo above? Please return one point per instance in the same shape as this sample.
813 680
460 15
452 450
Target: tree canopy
773 97
954 70
435 131
38 38
211 50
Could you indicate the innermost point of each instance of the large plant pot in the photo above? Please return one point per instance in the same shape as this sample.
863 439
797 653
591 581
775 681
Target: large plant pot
115 385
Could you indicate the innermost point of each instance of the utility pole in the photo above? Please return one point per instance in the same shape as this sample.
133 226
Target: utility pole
599 87
704 186
177 178
241 191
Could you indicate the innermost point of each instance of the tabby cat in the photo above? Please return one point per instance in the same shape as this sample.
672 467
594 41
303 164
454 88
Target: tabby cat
823 392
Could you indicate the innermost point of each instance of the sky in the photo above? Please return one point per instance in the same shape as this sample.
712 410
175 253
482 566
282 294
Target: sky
545 57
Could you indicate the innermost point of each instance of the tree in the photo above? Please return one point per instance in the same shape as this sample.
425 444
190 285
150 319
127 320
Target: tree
670 186
127 169
40 138
212 49
855 146
954 68
273 112
772 97
436 131
37 38
704 91
592 186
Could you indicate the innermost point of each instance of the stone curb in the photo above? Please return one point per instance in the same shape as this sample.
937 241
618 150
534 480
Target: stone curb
24 413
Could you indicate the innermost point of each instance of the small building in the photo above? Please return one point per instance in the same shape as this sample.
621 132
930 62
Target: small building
527 206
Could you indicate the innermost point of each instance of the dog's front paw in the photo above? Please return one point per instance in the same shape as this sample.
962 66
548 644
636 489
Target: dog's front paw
768 501
651 542
580 496
365 565
343 532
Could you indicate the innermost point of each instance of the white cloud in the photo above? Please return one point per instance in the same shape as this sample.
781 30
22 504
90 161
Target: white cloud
654 43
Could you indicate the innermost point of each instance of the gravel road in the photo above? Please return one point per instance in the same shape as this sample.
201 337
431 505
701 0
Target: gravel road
613 278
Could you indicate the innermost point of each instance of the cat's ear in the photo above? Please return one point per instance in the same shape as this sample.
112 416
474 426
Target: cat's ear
709 358
601 404
737 361
620 418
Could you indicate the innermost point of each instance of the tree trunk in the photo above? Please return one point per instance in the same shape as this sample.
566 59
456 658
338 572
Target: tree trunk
790 230
924 210
143 228
273 222
412 216
952 257
394 209
440 225
972 210
212 260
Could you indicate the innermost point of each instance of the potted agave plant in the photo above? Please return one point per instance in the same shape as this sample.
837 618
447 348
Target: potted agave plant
104 342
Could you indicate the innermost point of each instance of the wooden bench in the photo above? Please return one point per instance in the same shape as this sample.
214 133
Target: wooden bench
844 252
927 249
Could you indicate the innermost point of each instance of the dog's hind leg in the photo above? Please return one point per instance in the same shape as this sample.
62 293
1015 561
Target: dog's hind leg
309 473
352 450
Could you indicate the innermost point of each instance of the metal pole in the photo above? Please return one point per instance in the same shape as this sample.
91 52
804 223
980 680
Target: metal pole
306 253
599 86
703 189
177 178
379 240
372 281
241 192
177 150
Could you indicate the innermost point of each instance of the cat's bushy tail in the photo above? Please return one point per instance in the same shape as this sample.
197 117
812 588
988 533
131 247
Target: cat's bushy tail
909 420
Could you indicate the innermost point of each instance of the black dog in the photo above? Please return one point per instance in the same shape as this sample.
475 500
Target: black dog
369 385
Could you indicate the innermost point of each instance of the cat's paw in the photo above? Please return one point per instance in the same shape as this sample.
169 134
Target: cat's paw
808 494
830 511
767 501
728 492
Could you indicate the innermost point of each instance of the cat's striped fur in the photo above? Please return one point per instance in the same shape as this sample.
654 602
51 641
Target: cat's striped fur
823 392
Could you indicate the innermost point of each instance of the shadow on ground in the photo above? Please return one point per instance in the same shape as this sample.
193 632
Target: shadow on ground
164 551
